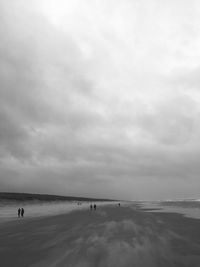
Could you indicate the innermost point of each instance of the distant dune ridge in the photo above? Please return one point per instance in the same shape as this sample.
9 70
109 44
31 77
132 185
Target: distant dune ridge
44 197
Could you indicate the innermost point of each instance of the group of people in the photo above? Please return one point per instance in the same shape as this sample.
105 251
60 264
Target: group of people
93 207
20 212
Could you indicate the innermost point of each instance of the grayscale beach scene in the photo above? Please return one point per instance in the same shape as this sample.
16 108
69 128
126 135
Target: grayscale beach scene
99 133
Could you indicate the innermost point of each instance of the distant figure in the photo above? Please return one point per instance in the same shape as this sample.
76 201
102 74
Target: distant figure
91 207
19 212
22 212
119 204
95 206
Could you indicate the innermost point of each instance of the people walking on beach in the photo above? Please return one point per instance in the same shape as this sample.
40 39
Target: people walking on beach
19 212
22 212
93 207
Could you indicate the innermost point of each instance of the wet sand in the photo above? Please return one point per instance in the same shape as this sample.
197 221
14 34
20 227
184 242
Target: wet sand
109 237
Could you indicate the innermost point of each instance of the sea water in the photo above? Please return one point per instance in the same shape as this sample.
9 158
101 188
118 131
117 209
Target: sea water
188 208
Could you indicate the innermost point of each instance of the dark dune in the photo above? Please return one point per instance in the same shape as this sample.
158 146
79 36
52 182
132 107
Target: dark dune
110 237
43 197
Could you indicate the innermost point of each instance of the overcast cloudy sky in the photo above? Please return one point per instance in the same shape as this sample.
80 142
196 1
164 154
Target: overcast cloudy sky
100 97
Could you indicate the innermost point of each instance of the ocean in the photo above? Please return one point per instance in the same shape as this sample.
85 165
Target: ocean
188 208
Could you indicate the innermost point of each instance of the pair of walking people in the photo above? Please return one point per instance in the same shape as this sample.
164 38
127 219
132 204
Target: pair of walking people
95 207
21 212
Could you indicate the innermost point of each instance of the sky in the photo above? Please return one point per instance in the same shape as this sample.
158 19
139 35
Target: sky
100 98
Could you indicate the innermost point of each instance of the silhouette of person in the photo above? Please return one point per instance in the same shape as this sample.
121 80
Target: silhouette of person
90 207
95 206
19 211
22 212
119 204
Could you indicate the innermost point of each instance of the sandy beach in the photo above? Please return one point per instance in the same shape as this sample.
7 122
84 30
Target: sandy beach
111 236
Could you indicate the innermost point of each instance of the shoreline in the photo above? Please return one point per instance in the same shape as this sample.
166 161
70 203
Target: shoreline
189 212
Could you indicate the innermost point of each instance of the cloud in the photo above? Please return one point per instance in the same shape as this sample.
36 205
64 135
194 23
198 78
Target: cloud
95 94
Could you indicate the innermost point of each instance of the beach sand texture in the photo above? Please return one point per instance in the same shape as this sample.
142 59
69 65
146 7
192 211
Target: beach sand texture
109 237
